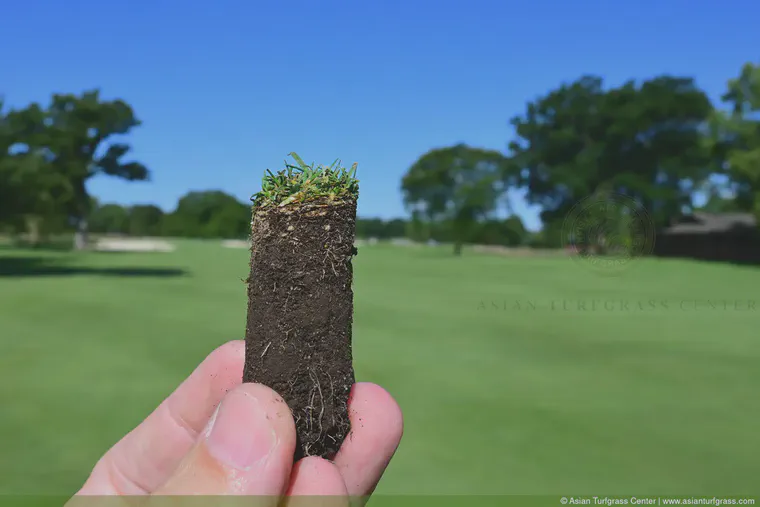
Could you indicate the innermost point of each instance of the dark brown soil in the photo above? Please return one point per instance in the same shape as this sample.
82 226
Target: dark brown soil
300 312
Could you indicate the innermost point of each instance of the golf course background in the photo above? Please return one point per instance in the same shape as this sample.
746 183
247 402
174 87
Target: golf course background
515 375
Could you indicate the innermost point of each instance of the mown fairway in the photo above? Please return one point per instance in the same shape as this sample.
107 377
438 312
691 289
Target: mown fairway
502 393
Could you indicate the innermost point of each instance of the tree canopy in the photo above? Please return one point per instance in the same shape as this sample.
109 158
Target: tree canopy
645 141
736 137
209 214
459 185
49 153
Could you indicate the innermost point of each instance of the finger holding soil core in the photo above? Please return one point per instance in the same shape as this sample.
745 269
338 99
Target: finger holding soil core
300 298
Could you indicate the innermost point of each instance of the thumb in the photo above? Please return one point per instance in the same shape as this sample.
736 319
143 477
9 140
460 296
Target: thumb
246 449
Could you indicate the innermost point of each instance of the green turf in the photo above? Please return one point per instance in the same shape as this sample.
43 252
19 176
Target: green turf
501 393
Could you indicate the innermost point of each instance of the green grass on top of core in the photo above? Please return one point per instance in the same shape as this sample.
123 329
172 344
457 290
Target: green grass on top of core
297 184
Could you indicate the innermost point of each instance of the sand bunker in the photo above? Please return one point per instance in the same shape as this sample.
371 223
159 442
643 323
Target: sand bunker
133 245
235 243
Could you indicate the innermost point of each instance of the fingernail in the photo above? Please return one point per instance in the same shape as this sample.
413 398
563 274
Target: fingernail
240 435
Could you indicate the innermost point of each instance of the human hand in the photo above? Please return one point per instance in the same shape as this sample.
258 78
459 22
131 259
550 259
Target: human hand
217 436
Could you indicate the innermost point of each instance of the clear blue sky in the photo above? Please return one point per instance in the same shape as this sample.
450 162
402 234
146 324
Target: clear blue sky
227 88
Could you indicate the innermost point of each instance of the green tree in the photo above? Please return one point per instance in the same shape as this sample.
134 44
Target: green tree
109 219
395 228
458 185
230 221
32 191
418 229
381 229
502 232
736 136
645 141
209 214
145 220
80 141
549 237
370 228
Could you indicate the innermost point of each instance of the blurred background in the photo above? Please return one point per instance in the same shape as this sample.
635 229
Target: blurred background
613 351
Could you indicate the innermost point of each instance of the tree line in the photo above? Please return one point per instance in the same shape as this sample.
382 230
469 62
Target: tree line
657 141
215 214
198 214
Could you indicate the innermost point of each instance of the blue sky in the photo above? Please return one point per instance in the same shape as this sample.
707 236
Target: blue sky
226 89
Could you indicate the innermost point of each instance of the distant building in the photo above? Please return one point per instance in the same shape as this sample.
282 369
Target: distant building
730 237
